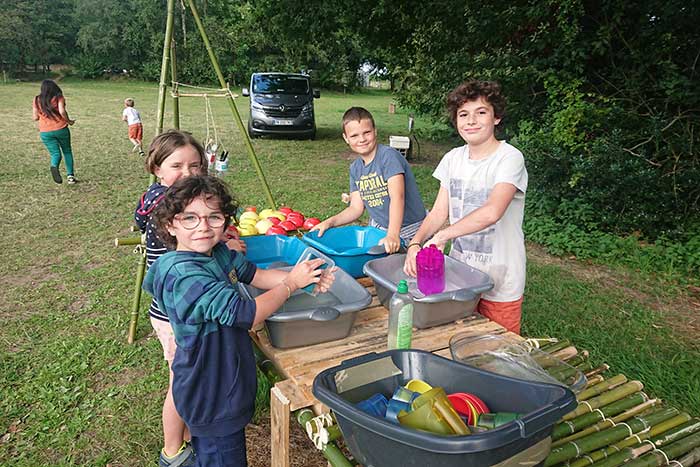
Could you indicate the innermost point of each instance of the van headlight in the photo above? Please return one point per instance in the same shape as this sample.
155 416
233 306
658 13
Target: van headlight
307 110
256 106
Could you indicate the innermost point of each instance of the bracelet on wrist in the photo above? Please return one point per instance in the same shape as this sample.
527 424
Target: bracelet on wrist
413 244
289 290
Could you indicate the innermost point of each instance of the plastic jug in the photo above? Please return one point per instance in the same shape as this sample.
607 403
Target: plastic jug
430 265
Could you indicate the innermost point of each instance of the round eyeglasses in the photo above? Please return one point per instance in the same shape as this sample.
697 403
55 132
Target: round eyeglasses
192 221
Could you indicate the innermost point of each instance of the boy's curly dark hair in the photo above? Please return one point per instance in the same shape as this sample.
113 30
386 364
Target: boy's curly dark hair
473 89
181 193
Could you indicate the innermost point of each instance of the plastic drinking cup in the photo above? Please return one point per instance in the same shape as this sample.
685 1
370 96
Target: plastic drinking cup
419 386
376 405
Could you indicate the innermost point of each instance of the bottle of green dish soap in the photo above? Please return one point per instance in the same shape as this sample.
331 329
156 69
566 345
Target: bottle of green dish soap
400 318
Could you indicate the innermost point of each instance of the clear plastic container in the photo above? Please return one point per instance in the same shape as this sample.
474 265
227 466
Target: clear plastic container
430 268
309 254
509 357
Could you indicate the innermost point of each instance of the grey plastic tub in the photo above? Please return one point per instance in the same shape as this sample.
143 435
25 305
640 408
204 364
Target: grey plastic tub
376 442
463 288
305 319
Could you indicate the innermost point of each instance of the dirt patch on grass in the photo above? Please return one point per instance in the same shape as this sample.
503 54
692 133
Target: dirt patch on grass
33 276
680 311
301 452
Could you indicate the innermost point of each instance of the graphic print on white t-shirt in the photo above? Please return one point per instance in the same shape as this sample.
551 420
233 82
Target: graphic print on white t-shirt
464 200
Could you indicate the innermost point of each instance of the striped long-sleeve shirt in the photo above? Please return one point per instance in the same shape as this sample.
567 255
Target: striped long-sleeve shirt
154 247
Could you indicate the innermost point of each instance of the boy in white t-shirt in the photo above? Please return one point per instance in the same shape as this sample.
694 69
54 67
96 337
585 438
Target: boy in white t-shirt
133 118
482 193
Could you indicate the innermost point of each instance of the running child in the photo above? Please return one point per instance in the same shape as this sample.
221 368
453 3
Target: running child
49 109
132 117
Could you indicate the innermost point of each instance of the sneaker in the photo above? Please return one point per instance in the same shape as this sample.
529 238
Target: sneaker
72 180
56 175
184 458
141 153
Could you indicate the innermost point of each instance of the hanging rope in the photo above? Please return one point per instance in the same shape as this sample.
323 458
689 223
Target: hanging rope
210 116
182 22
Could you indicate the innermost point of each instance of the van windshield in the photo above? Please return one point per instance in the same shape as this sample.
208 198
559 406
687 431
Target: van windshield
280 84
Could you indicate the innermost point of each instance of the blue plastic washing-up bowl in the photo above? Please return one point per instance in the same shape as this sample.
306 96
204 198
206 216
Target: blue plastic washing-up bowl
273 250
348 246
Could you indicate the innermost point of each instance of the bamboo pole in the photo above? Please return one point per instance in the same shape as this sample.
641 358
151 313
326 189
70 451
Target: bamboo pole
135 304
612 451
232 105
173 78
619 458
162 87
691 458
662 456
605 399
679 432
577 360
593 380
566 353
608 422
320 430
596 371
330 451
617 433
572 426
128 241
141 269
200 94
606 385
551 348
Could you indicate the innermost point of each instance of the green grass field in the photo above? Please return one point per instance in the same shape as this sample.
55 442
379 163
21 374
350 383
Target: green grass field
72 392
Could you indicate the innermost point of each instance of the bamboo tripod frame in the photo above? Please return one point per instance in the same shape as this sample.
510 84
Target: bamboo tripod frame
169 64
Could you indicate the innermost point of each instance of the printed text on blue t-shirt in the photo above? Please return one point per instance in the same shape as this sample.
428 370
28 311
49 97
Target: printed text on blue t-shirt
373 189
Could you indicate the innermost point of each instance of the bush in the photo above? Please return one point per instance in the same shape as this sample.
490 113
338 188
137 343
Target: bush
88 67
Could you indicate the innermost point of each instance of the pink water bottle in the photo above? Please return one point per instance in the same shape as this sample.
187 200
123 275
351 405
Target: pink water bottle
430 264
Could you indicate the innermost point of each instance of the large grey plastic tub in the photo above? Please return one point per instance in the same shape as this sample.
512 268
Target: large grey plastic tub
376 442
306 320
463 288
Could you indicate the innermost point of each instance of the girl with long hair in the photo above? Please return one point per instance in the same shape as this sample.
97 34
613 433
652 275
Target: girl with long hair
49 109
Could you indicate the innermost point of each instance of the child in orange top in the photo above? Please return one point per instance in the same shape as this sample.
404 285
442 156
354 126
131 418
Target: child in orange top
49 109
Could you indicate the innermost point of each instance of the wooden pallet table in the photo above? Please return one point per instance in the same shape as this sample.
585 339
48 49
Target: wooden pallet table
301 365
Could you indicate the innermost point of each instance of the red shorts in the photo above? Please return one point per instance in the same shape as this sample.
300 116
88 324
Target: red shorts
507 314
136 131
